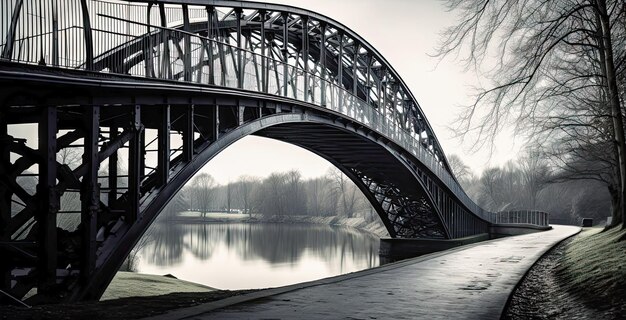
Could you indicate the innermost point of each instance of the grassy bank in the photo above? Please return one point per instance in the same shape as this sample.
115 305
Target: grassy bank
593 268
129 296
130 284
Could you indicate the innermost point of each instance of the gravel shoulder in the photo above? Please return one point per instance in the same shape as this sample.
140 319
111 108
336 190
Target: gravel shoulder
549 291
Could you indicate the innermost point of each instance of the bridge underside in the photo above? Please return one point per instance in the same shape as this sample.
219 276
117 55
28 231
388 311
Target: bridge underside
119 188
394 190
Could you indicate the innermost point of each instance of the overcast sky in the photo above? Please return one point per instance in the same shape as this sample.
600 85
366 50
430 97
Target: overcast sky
405 32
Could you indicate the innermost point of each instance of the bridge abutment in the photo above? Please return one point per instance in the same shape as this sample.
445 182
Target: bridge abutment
394 249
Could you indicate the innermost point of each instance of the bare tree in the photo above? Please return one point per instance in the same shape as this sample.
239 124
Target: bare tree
535 41
229 196
346 191
460 169
295 197
245 188
272 195
204 188
322 198
535 174
589 162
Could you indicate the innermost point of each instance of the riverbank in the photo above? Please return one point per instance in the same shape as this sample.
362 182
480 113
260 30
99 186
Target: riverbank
374 227
131 284
581 278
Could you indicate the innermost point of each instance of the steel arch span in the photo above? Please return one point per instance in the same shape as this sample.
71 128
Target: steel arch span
164 86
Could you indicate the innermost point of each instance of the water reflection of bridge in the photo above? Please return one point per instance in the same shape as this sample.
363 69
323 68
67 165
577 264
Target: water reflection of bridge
165 85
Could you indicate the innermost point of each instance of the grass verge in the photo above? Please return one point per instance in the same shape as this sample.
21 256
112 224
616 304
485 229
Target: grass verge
130 284
593 268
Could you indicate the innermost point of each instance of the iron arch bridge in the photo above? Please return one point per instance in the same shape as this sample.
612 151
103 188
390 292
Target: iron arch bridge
145 92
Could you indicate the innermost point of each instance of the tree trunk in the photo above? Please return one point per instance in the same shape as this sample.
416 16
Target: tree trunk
614 102
615 206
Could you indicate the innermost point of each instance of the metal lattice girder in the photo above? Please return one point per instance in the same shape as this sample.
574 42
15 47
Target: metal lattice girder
211 73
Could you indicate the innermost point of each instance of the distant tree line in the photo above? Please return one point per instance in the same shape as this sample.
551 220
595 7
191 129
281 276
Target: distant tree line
534 183
568 188
281 193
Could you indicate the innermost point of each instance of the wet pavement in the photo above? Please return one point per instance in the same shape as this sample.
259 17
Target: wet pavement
470 282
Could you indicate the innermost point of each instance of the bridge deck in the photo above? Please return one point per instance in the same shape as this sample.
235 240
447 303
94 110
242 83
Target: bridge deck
471 282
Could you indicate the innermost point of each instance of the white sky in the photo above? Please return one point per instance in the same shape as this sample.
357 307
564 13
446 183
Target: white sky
404 32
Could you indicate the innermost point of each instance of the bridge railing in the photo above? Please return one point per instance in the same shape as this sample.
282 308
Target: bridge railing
128 47
533 217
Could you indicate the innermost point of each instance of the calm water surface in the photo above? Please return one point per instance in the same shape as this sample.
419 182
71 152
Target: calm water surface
242 256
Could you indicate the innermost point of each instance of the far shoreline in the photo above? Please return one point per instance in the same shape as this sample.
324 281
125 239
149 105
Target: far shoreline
375 227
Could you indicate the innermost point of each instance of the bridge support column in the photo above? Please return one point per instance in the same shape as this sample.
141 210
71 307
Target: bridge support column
112 180
5 204
90 191
240 114
188 134
135 165
163 161
48 201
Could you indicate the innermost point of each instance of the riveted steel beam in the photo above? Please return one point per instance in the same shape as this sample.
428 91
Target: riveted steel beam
113 172
90 191
5 203
48 201
188 134
135 165
163 162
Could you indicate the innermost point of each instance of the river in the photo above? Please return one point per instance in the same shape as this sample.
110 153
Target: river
255 255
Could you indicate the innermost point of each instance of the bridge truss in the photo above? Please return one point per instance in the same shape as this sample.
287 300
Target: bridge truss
144 93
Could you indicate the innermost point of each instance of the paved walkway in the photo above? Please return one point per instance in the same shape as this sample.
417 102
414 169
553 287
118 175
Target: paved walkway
471 282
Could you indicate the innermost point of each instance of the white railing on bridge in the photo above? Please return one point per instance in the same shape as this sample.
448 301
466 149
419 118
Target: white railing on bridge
533 217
